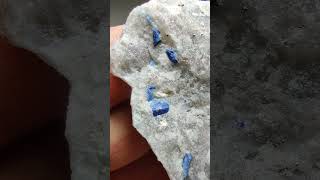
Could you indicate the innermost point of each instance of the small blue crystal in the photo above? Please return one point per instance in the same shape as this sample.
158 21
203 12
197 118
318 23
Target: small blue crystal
159 107
156 36
149 20
152 62
186 164
155 31
172 55
150 90
240 123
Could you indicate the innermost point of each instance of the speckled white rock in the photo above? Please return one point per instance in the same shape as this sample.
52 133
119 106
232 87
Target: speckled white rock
70 36
184 26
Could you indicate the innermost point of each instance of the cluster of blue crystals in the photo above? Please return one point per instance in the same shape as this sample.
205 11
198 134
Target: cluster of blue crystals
156 35
172 55
186 164
159 107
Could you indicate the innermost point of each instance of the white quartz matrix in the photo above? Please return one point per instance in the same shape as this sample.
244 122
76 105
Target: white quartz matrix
185 27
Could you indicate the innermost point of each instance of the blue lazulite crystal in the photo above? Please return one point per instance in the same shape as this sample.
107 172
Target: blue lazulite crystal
150 90
155 31
149 20
172 55
152 62
240 123
186 164
159 107
156 36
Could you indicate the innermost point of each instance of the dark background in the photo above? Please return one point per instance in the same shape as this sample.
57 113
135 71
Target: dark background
120 9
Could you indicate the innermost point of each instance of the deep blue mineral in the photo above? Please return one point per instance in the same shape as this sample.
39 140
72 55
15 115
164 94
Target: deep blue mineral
150 90
240 123
172 55
159 107
186 164
155 31
156 36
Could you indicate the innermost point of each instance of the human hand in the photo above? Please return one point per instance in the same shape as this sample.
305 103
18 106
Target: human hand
130 154
32 116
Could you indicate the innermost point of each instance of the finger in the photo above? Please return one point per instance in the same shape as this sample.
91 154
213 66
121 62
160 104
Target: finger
119 91
126 144
31 93
147 167
115 34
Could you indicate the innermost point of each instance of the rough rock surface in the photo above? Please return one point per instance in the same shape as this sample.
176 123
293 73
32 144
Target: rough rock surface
266 90
70 36
184 26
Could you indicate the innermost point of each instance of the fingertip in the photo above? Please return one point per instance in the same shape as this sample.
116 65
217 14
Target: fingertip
115 34
119 91
147 167
126 144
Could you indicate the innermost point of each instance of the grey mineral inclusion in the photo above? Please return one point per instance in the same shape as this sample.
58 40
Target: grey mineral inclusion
70 36
184 26
266 80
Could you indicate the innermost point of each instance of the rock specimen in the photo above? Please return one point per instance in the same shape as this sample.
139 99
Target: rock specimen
70 36
170 81
266 90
